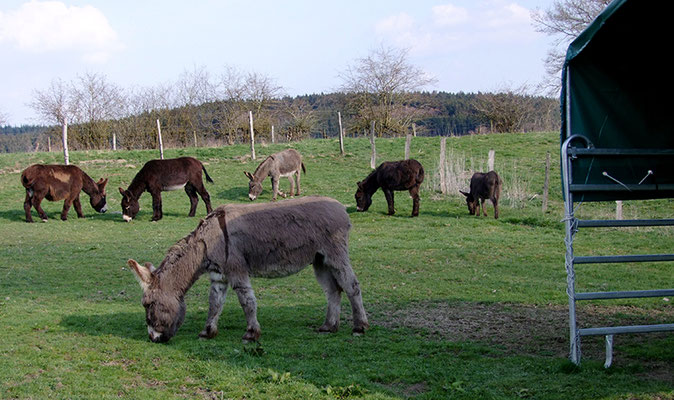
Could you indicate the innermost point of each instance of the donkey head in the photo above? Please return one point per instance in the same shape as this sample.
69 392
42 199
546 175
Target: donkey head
363 199
130 206
164 313
254 186
97 199
471 201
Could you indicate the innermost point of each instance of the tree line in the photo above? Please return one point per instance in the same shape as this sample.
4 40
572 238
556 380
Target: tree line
224 122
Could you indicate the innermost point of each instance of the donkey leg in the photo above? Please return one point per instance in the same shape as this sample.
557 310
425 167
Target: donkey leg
340 266
194 200
244 292
494 201
484 210
414 192
389 200
78 207
27 204
275 188
40 211
292 185
333 294
66 207
298 183
156 205
216 299
204 196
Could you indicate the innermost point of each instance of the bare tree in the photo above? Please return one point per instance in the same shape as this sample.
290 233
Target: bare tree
53 105
380 84
3 118
95 103
251 91
506 109
564 21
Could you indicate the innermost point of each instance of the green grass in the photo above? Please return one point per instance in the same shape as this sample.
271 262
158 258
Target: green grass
460 307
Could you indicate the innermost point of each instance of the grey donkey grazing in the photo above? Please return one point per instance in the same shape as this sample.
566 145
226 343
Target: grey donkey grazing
284 163
239 241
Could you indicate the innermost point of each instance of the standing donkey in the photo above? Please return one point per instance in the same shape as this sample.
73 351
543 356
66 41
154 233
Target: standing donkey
390 176
284 163
240 241
61 182
483 186
162 175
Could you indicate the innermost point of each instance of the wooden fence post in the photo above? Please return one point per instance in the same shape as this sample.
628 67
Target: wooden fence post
66 157
442 162
341 134
194 133
490 161
408 141
619 209
414 129
546 182
49 144
252 135
273 138
373 156
161 143
114 141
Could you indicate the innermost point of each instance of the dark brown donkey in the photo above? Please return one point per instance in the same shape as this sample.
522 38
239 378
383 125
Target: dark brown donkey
60 182
483 186
162 175
390 176
284 163
240 241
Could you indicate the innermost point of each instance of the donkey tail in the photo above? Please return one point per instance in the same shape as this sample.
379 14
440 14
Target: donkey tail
303 169
208 178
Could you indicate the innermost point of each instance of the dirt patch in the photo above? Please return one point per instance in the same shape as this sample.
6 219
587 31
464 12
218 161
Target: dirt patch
521 329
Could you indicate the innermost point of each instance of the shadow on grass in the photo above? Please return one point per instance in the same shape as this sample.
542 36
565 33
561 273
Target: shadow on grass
427 349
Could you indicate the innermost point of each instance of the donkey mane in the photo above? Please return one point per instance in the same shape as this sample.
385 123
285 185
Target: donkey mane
262 170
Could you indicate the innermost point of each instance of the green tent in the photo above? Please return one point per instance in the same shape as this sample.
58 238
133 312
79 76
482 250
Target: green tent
616 96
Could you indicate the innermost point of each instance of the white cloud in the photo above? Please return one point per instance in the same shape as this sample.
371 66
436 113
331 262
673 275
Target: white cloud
449 14
51 26
449 27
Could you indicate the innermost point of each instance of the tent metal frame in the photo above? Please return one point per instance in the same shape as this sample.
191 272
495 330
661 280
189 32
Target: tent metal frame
572 225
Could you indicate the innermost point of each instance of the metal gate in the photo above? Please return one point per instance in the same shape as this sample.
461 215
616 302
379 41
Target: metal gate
574 149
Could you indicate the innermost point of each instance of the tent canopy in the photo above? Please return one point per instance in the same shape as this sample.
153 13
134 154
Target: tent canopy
617 93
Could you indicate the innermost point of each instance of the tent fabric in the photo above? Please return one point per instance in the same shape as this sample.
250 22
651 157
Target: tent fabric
617 92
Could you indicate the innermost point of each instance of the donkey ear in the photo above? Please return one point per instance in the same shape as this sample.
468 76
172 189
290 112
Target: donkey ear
248 174
101 183
143 274
149 266
464 193
122 192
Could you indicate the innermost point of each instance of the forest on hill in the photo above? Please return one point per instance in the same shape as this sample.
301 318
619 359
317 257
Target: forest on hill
225 122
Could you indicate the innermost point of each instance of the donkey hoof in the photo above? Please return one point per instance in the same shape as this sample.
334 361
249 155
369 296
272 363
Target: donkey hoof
358 331
251 336
325 328
208 333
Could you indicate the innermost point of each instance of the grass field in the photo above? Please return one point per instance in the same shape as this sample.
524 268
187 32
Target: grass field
460 307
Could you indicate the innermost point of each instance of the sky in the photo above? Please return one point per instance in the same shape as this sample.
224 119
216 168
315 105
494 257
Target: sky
467 45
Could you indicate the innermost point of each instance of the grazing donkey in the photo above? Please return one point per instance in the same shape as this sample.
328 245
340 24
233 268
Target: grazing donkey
61 182
390 176
162 175
483 186
284 163
240 241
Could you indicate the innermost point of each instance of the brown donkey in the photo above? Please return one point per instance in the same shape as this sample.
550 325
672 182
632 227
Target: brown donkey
240 241
284 163
483 186
390 176
157 176
60 182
